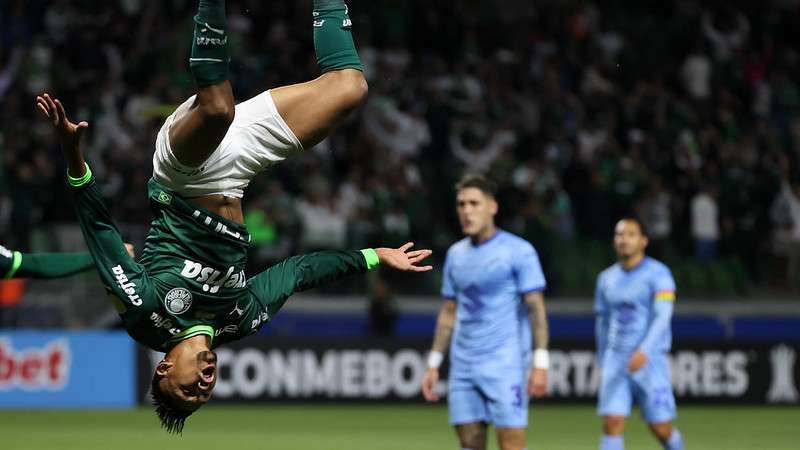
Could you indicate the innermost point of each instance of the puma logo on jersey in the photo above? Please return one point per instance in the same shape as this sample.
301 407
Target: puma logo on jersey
213 279
319 23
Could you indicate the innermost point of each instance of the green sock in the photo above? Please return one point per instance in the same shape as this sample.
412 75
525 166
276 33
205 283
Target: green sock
209 60
213 11
333 41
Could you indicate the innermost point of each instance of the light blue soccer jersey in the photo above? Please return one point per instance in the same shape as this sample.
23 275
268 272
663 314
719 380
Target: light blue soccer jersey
626 301
488 282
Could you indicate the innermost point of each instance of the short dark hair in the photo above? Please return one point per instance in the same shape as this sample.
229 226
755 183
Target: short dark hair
637 221
172 418
477 181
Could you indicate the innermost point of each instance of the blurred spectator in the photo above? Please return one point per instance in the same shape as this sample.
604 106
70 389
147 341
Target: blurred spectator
786 214
705 224
382 310
696 75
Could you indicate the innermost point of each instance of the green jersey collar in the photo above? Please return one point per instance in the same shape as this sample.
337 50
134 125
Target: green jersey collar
193 331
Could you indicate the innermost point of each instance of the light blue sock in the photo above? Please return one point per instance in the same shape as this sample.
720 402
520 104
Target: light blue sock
612 443
675 441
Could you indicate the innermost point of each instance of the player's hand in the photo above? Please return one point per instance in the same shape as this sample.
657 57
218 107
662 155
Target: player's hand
131 250
402 259
52 110
429 385
637 361
537 383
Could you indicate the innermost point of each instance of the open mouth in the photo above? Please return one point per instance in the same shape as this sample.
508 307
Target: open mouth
207 374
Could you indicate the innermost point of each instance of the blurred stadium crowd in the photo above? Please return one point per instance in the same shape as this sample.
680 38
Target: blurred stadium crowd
686 115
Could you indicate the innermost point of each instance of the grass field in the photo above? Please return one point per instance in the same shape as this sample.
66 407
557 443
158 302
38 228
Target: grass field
383 427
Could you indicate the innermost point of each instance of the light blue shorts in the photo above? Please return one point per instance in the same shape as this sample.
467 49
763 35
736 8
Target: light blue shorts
649 387
498 396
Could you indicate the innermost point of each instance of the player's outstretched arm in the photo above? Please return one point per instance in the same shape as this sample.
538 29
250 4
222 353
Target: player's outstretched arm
441 342
69 133
48 265
44 266
299 273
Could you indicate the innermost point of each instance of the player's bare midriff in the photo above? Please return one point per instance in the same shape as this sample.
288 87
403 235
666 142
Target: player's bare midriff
227 207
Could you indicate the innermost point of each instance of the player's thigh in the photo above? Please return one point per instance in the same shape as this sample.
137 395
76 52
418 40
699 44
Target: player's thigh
314 108
615 396
507 397
259 136
472 435
511 438
194 135
465 402
653 390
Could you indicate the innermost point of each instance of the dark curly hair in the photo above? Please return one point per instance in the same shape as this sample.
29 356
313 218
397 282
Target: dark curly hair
172 417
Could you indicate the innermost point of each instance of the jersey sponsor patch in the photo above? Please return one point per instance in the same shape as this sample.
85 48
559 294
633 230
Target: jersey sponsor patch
127 286
178 301
213 279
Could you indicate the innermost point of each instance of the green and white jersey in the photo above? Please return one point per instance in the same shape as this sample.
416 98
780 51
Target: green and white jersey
190 279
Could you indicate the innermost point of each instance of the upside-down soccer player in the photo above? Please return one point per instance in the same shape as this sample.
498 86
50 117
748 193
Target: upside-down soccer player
189 293
493 301
633 304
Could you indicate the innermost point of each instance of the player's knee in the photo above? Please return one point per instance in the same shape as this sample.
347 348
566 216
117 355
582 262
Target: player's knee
662 431
472 437
512 442
613 426
217 111
351 87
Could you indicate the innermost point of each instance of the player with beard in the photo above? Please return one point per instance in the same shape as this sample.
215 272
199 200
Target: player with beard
633 303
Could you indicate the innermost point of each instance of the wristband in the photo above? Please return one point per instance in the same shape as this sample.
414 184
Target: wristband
435 359
80 181
541 359
371 257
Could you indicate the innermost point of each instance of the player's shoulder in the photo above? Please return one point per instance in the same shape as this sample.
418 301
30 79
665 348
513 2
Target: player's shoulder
513 242
458 247
609 271
656 267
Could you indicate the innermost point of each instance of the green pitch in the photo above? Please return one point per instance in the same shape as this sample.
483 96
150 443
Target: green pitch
378 427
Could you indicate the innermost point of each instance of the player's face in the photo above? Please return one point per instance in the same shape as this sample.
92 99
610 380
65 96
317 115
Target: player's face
191 378
476 211
629 241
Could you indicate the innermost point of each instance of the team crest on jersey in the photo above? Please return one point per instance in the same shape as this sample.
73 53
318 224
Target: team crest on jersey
164 198
178 301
